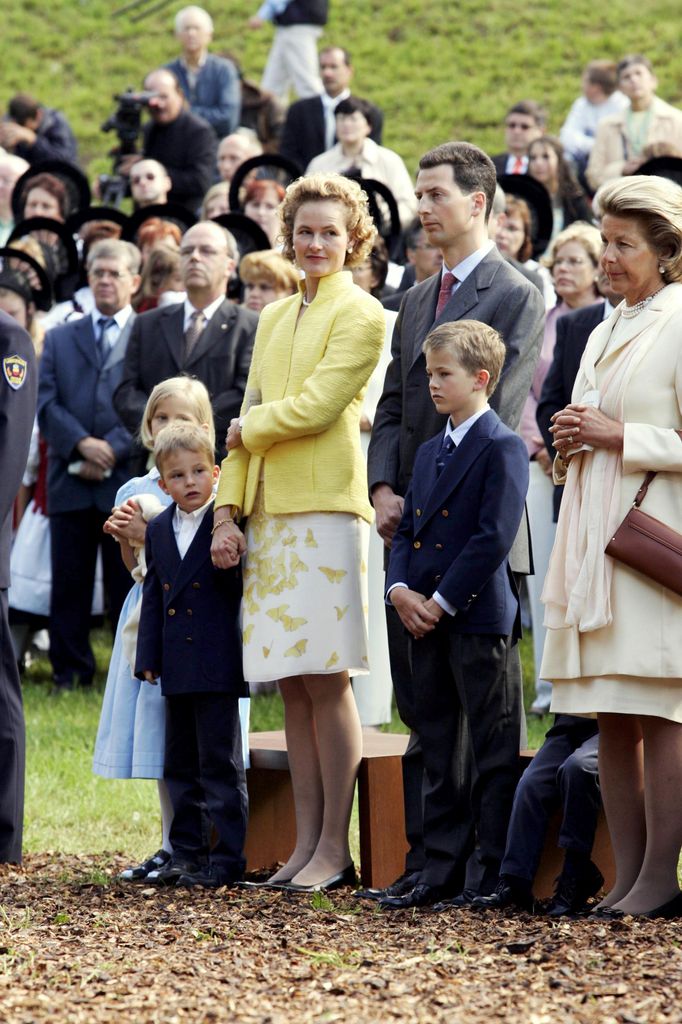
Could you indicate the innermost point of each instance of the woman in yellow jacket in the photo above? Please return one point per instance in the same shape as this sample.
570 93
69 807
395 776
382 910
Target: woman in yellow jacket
295 469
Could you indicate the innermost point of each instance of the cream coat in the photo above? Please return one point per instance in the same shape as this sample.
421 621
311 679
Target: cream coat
645 637
310 377
611 147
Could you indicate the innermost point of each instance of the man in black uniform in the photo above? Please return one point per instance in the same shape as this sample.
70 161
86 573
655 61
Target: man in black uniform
18 388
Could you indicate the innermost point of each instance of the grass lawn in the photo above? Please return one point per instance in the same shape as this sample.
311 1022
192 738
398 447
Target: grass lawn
70 810
436 73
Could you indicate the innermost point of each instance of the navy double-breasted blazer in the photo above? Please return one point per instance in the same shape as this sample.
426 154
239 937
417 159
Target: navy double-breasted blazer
189 623
457 528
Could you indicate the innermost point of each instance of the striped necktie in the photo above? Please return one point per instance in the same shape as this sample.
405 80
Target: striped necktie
448 281
197 322
446 449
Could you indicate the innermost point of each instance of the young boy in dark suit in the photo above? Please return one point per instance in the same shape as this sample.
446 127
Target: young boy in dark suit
189 636
450 582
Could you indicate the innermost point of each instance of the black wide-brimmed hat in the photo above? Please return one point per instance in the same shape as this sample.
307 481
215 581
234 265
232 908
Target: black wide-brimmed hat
14 268
248 235
61 255
383 208
174 213
88 214
73 179
539 203
281 170
663 166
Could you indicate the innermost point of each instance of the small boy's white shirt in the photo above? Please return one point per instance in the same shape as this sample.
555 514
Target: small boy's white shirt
457 434
186 524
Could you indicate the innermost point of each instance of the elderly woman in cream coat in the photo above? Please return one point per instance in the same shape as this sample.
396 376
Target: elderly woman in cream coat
614 642
296 470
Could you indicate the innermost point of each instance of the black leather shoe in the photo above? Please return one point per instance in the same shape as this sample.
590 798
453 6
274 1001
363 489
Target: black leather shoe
205 878
171 871
421 896
140 871
337 881
463 899
607 913
574 890
400 887
506 894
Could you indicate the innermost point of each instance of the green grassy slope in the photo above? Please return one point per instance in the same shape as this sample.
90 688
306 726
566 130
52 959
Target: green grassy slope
435 78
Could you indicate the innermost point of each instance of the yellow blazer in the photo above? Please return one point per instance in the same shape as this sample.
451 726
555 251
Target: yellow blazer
305 436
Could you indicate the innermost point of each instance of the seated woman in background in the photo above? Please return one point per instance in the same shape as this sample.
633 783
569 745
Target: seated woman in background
262 199
548 165
514 238
45 196
573 261
267 276
355 151
160 282
216 201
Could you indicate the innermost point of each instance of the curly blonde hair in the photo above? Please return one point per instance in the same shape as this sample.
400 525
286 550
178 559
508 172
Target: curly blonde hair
580 231
316 188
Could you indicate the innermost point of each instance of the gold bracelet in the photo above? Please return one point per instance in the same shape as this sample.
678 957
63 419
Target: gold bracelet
221 522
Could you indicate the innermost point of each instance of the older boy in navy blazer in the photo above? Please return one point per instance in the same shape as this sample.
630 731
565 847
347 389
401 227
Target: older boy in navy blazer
189 636
450 581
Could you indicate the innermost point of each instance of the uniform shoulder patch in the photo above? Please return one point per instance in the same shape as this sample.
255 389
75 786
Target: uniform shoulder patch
14 370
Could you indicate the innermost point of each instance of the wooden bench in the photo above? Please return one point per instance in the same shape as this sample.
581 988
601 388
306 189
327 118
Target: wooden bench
271 832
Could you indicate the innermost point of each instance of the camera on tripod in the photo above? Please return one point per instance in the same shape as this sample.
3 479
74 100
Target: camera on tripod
126 121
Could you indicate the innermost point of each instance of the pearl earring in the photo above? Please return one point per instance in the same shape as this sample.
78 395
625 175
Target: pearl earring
349 249
661 269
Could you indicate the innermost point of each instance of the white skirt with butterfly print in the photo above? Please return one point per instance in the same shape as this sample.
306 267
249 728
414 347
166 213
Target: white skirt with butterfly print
305 594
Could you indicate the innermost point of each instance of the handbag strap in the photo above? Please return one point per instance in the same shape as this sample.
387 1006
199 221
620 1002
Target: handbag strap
641 493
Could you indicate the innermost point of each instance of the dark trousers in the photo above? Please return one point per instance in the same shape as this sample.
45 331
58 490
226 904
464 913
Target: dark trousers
204 765
466 685
75 538
12 746
563 774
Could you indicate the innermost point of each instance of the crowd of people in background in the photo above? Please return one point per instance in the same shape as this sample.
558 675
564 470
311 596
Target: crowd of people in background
218 308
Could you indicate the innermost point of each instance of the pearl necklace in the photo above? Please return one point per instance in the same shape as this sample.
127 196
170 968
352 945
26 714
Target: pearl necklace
631 311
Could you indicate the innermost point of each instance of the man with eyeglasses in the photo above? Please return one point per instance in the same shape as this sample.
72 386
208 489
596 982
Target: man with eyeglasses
523 123
89 451
149 183
205 336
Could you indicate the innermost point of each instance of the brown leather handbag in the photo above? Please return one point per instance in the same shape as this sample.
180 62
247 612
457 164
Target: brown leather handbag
648 545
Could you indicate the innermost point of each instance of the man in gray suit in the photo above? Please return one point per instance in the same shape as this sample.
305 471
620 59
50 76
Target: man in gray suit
455 188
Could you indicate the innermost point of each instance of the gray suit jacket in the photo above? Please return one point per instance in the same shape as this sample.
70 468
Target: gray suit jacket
494 293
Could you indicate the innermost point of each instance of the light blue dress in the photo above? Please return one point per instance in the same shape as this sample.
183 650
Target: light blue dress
132 724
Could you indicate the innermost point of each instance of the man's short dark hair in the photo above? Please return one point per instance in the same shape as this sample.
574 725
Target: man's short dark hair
355 104
603 74
531 109
472 169
22 108
629 60
342 49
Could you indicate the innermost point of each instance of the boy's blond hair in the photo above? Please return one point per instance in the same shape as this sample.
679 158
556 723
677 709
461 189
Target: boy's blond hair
194 393
475 346
182 437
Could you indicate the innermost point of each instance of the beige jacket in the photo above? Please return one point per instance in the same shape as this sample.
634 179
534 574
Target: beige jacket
612 147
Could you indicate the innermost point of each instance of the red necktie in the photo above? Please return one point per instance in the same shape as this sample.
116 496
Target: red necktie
446 285
518 166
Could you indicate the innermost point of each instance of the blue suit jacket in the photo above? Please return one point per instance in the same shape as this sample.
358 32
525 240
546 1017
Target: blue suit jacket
76 400
217 94
457 528
189 624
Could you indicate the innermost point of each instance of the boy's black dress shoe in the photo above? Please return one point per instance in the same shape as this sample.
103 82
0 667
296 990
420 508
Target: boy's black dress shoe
508 893
337 881
400 887
421 896
172 871
574 890
205 878
140 871
463 899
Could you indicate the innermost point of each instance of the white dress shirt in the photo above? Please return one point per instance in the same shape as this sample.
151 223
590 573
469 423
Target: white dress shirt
112 334
208 311
186 524
467 265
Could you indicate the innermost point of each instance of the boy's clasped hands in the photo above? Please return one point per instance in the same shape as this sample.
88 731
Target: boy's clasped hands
418 614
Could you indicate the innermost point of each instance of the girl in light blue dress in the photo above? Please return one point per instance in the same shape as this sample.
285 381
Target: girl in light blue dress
131 733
